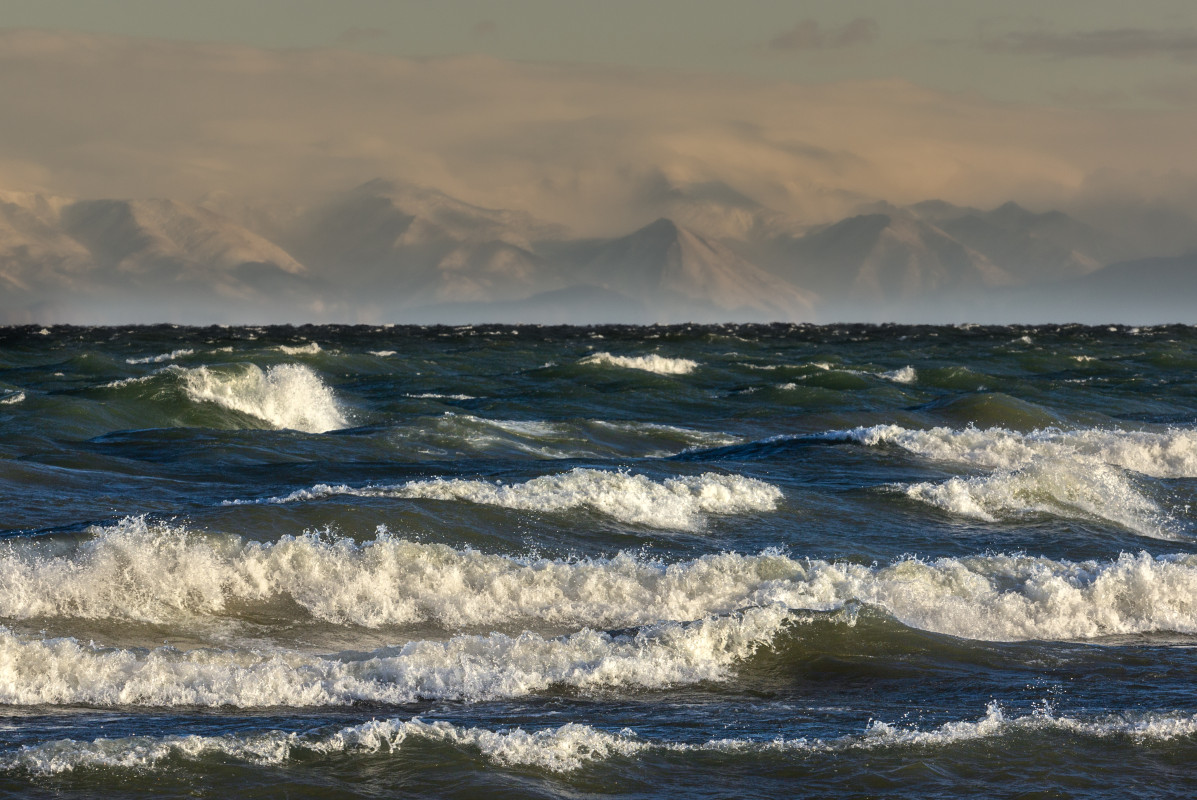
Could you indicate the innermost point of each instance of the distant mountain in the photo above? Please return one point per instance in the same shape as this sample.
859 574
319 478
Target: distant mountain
388 236
1029 246
886 258
34 251
63 254
717 211
167 240
678 272
580 304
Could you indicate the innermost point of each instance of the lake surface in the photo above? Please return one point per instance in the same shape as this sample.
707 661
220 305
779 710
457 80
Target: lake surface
686 561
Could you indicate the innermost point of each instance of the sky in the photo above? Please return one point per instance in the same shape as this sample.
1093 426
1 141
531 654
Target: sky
580 112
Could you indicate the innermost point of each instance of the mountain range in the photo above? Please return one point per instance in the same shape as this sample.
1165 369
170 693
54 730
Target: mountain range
390 251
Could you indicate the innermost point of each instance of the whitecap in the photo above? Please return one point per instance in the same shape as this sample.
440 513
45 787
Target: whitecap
566 748
906 374
661 365
284 396
163 357
309 349
465 667
679 503
164 574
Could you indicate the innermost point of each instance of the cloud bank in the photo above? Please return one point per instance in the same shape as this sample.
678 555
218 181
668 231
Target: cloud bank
101 116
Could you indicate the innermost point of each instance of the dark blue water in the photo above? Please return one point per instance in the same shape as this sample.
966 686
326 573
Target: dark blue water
647 562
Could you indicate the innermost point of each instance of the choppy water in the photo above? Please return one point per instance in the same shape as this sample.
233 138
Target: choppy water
687 561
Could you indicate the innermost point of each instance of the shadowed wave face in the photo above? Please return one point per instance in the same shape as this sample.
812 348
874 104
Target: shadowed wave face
639 561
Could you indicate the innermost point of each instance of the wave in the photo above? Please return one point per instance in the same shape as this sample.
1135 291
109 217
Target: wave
661 365
1062 489
563 749
309 349
906 374
465 667
159 573
453 433
11 397
284 396
680 503
162 358
1074 474
1170 454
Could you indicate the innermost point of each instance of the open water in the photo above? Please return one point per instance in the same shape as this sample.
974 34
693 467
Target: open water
720 561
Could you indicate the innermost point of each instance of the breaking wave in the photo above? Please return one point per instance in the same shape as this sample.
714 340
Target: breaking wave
680 503
1081 474
661 365
563 749
11 397
164 357
284 396
465 667
158 573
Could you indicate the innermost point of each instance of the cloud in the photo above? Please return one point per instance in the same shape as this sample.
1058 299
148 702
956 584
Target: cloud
355 35
1180 44
106 116
807 35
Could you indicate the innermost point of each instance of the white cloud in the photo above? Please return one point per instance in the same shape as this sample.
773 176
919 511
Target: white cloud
108 116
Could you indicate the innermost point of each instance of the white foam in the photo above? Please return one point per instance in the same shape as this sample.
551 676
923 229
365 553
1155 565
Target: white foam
159 359
1063 489
438 396
382 353
680 503
472 668
1139 728
309 349
650 363
1168 454
1078 474
284 396
159 573
563 749
906 374
11 397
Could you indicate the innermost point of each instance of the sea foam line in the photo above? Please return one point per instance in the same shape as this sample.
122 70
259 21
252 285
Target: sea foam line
680 503
563 749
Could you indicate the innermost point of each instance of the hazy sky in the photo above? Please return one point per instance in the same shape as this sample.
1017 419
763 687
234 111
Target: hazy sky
573 110
1069 52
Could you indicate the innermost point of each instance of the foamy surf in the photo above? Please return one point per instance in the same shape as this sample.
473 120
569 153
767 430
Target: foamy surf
563 749
284 396
11 397
465 667
681 503
661 365
159 574
162 357
1080 474
1170 454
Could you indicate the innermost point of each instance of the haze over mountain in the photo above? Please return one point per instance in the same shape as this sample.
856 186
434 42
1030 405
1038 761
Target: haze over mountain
392 251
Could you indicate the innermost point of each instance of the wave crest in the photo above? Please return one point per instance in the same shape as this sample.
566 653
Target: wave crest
284 396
